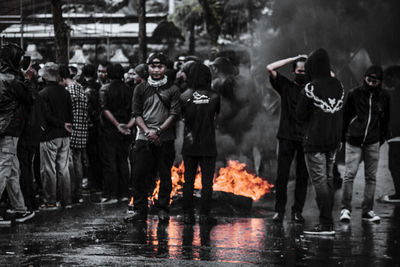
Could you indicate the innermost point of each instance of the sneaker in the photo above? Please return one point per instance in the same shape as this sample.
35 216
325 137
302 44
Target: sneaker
107 201
297 217
321 230
206 219
23 217
135 217
163 216
371 216
4 221
130 210
390 199
278 217
345 215
48 207
188 218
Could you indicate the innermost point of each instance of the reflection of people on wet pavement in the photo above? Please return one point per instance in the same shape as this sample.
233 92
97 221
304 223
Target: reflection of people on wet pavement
290 137
366 118
320 111
200 107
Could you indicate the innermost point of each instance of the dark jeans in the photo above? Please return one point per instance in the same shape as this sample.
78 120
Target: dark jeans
150 158
79 162
26 154
207 166
286 152
394 165
94 154
320 166
115 168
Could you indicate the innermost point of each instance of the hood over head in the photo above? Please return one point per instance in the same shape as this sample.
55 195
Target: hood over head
318 64
199 77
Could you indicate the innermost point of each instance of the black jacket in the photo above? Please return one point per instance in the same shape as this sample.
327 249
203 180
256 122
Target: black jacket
58 111
394 124
15 95
320 106
366 116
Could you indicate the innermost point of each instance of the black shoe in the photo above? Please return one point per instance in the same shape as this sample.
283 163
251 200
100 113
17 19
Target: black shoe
163 216
188 218
278 217
206 219
136 217
24 216
297 217
321 230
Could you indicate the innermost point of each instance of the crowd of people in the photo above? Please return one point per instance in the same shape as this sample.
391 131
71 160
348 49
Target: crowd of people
103 129
63 130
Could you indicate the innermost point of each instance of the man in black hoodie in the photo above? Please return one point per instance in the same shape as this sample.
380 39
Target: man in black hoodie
319 110
15 94
289 136
366 118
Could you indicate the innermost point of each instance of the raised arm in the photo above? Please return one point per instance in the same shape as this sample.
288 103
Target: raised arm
271 68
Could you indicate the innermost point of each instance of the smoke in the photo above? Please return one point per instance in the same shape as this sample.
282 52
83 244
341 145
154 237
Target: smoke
342 27
246 127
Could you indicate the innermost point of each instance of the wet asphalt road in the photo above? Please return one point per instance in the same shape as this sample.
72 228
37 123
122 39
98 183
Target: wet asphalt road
95 235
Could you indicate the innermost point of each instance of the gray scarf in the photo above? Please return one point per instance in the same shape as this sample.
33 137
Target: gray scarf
157 83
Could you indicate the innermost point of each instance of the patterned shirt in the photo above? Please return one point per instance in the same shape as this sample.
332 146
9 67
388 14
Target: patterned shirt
80 110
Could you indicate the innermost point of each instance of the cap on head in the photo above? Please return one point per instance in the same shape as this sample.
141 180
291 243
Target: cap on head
375 72
157 57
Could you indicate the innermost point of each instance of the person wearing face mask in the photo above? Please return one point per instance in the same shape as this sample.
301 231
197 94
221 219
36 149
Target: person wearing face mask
289 136
366 119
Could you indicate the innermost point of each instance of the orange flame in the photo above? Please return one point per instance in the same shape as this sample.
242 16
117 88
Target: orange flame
232 179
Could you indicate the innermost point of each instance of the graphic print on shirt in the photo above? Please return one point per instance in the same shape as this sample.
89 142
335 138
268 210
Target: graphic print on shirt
200 99
334 104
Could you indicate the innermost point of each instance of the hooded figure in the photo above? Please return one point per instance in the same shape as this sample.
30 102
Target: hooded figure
319 110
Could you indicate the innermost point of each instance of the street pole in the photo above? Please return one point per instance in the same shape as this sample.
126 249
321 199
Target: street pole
22 24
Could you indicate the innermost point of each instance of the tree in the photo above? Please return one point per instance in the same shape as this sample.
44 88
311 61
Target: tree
142 31
188 15
61 32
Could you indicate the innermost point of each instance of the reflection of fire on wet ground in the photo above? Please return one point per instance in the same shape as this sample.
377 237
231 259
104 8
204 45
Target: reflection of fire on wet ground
233 185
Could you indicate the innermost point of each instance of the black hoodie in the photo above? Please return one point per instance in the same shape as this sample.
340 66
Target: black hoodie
319 109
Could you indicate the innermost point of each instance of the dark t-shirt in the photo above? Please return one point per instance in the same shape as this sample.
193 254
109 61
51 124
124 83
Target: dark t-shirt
199 111
117 98
289 91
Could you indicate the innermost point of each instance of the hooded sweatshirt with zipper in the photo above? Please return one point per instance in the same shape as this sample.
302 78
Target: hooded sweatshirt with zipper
320 106
366 116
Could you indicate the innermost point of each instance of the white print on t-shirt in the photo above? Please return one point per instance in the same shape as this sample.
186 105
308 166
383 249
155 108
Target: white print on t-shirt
200 99
334 104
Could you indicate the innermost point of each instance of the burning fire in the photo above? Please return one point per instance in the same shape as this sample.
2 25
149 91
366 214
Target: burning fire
232 179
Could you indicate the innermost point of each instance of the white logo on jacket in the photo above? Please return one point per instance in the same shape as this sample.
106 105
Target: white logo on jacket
200 99
334 104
